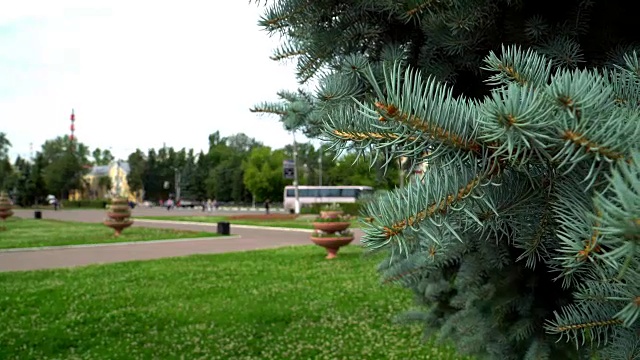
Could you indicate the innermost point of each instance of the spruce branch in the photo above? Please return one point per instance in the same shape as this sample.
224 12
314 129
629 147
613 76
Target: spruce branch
427 107
597 138
585 322
514 65
413 9
632 63
578 234
625 344
270 108
518 119
619 214
564 51
538 350
287 50
429 199
280 15
581 93
625 86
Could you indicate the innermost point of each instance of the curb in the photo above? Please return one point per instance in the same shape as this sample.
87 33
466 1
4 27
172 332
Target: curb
216 224
79 246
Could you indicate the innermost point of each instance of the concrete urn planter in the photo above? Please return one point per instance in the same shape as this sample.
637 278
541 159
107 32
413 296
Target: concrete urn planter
330 232
119 215
330 213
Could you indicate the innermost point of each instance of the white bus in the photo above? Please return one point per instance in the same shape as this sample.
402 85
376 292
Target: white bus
309 195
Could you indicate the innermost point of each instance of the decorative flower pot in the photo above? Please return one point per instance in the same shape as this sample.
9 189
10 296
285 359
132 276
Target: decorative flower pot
5 208
118 226
330 214
332 244
119 215
331 227
330 232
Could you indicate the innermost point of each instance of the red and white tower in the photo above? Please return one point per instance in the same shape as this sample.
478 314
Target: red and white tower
73 128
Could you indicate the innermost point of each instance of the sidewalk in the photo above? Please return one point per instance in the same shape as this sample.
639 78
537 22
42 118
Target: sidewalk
246 238
110 253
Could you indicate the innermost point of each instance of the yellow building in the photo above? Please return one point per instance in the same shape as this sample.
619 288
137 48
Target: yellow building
105 182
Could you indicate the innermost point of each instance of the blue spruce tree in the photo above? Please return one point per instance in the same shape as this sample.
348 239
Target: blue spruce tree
522 239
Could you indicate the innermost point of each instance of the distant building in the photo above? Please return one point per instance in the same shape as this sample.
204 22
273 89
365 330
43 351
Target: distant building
105 182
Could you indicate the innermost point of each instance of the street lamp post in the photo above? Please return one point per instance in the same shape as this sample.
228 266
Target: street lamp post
320 167
177 183
295 174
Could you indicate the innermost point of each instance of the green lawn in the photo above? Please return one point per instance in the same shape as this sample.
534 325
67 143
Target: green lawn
23 233
300 223
288 303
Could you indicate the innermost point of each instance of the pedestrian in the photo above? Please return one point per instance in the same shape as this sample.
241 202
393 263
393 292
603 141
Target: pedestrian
266 206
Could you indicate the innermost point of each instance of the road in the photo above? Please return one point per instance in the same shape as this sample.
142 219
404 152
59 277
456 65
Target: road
246 238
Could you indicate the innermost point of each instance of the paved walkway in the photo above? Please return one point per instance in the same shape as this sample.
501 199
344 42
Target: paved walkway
248 238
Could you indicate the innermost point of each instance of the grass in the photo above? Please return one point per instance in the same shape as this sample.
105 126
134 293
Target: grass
25 233
299 223
287 303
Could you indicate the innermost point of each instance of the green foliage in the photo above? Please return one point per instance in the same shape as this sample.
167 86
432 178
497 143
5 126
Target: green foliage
105 182
7 177
85 204
5 144
5 164
533 187
263 173
353 169
352 209
64 163
225 178
523 230
102 156
29 184
137 168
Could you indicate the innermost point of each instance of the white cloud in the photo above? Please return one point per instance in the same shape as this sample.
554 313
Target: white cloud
138 73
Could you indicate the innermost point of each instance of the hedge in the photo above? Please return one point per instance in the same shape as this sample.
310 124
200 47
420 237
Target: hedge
89 204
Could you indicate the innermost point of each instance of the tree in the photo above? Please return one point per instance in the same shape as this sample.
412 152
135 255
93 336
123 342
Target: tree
7 176
263 173
5 144
61 145
102 157
523 228
241 143
6 171
66 163
196 176
354 170
137 169
21 184
37 186
225 178
217 182
64 174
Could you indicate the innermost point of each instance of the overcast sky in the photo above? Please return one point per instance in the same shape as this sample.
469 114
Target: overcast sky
138 73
